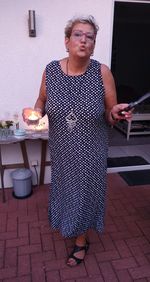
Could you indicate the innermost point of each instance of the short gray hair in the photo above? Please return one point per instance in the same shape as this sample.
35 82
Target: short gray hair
83 19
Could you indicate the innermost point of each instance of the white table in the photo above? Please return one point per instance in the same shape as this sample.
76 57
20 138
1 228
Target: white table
43 136
135 126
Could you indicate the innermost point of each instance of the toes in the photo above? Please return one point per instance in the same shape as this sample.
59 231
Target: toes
71 262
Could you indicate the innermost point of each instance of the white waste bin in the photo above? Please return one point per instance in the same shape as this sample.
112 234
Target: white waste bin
22 183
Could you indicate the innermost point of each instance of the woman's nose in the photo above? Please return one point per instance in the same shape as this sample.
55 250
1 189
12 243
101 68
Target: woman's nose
83 37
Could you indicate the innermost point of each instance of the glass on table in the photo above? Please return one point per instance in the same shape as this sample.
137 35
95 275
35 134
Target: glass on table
16 120
5 133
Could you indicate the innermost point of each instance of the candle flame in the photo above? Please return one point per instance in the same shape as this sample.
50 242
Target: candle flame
33 116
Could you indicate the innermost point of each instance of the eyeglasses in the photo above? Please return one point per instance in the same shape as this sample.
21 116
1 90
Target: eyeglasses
78 34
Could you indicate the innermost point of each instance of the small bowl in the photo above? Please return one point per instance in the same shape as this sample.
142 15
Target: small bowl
33 119
19 132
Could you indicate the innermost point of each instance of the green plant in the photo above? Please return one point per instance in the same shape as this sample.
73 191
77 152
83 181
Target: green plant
6 123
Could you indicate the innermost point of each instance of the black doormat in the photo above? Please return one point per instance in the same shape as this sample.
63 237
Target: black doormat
126 161
138 177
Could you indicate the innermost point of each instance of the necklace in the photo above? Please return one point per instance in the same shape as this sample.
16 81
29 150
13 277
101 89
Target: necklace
71 118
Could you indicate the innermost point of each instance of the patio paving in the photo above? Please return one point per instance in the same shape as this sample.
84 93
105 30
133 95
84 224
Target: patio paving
30 251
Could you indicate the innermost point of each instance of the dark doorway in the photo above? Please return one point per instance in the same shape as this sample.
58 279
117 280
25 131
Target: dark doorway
130 63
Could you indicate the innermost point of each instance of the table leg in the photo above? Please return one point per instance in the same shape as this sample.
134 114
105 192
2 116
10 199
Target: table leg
43 161
43 158
128 129
2 177
24 154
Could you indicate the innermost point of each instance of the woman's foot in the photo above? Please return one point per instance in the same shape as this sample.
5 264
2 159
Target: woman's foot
78 254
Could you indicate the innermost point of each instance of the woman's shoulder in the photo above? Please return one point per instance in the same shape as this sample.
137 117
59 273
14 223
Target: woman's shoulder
95 62
52 63
105 70
98 65
52 67
103 67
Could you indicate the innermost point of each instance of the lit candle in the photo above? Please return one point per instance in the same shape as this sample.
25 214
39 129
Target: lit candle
33 118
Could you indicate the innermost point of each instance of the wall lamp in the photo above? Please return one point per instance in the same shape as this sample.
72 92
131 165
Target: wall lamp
31 23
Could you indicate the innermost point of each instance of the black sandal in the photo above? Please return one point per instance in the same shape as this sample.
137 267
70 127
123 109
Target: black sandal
76 250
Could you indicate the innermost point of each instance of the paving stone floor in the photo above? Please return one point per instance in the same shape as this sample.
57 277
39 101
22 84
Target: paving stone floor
30 251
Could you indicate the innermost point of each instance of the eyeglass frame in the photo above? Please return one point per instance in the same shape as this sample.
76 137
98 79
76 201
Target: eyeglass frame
89 36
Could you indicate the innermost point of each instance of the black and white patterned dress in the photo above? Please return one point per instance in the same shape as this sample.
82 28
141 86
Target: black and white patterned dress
79 156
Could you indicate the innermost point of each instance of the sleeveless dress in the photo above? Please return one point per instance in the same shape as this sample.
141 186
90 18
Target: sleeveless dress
79 156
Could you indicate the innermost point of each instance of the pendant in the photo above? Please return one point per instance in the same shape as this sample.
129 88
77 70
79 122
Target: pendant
71 120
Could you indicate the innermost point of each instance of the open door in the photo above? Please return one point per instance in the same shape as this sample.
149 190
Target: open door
130 65
130 62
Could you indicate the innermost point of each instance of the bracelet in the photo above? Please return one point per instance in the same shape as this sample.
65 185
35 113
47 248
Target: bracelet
113 118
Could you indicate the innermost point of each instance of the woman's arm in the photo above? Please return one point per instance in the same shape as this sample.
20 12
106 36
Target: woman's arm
39 108
41 100
111 106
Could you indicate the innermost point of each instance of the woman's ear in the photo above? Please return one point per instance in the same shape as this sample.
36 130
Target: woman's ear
67 43
93 49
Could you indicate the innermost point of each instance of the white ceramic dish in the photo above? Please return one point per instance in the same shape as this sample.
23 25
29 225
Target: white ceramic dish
19 132
19 136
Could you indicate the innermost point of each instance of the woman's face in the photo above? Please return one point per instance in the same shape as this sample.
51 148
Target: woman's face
82 40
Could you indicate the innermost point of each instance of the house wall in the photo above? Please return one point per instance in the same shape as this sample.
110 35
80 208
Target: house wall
23 58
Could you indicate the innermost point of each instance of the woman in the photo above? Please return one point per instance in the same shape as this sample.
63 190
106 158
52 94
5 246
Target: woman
78 95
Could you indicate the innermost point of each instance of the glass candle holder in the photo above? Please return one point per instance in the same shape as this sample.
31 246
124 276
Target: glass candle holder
5 133
33 119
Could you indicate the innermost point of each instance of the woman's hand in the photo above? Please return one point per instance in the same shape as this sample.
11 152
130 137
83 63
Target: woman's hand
31 116
115 112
